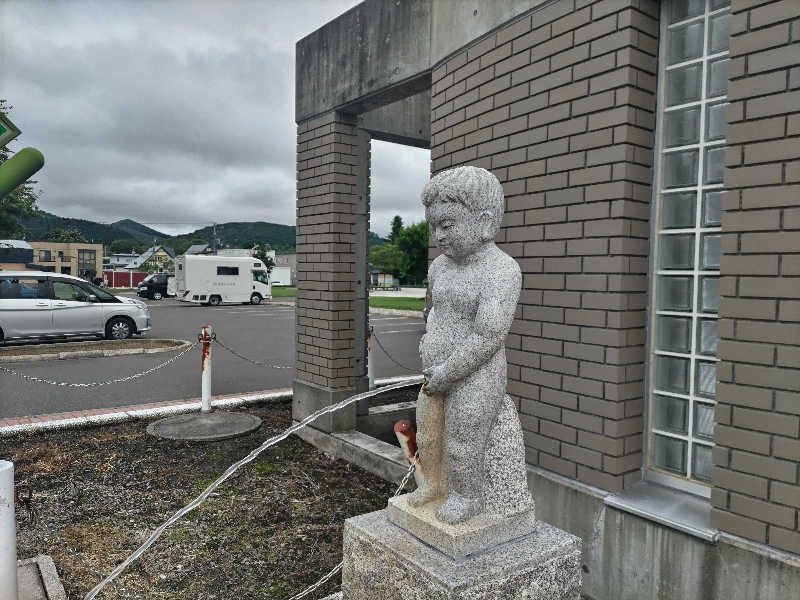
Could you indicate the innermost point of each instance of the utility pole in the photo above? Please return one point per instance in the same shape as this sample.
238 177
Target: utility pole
214 238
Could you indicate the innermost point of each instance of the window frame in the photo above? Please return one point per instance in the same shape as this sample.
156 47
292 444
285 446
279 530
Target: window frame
234 273
649 472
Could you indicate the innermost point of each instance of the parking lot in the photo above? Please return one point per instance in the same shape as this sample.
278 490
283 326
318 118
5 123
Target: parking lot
264 333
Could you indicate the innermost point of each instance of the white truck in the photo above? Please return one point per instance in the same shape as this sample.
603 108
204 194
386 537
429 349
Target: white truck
281 276
216 280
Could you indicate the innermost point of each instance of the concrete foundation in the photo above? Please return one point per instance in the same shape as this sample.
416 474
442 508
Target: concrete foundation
309 398
386 562
627 555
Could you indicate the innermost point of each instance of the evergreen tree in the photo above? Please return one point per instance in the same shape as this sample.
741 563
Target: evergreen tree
397 228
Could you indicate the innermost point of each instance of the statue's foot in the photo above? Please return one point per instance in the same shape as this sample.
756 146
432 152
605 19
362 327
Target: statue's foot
423 495
458 508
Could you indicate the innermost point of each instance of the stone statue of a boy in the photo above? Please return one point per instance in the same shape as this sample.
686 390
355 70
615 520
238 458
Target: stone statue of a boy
474 288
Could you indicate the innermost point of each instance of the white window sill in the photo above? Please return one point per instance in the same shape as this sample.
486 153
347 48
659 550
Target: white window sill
669 507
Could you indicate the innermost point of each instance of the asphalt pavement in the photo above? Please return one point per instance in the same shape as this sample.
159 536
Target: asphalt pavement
264 333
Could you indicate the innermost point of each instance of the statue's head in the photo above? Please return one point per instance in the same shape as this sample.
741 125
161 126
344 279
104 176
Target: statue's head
464 209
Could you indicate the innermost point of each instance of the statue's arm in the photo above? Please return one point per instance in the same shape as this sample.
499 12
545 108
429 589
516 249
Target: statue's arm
493 320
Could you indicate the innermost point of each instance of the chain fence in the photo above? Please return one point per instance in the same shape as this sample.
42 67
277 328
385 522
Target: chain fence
35 379
250 360
203 496
392 358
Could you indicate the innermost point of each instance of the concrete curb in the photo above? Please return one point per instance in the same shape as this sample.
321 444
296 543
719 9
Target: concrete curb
98 353
47 583
149 411
145 411
416 314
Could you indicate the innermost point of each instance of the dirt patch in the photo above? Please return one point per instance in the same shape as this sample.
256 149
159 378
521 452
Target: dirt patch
271 530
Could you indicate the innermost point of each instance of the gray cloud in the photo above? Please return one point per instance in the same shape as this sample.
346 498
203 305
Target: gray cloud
169 112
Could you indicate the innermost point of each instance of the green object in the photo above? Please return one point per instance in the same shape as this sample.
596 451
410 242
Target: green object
18 169
8 131
400 303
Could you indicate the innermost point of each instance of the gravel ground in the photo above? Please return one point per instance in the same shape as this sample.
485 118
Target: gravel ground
271 530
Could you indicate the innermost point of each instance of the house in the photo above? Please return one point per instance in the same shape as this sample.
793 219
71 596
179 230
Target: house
198 249
81 259
121 260
156 259
287 259
648 153
15 255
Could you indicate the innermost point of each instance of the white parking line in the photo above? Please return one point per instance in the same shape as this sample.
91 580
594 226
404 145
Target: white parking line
402 331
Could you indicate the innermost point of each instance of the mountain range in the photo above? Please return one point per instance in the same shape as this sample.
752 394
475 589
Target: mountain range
231 235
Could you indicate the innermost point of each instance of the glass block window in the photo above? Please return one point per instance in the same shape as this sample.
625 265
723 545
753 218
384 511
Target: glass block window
693 82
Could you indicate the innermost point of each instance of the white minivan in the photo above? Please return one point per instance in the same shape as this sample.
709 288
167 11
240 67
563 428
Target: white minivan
38 304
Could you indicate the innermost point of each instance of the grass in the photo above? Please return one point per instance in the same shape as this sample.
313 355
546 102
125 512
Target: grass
375 302
283 292
267 533
399 303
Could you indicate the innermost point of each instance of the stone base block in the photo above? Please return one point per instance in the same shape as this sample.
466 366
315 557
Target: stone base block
383 561
458 541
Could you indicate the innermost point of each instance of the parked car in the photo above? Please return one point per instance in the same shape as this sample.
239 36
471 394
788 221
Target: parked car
155 286
37 304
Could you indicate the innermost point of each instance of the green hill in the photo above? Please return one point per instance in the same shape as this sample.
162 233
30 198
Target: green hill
137 231
128 232
42 222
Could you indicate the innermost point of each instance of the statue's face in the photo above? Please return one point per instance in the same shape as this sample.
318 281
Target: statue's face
456 229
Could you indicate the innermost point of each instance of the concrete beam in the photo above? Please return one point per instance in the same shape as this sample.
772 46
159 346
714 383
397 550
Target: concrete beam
407 121
375 46
383 51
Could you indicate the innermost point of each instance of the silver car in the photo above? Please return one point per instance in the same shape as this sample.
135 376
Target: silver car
36 304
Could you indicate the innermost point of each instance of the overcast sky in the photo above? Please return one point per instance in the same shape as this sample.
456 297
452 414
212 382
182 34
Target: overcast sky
174 113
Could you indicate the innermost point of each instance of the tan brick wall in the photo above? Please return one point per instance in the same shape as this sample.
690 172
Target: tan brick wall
560 106
756 487
327 174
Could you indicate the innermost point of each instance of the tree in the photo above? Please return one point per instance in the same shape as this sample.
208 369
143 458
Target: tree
126 245
65 235
397 227
19 203
388 259
413 244
260 252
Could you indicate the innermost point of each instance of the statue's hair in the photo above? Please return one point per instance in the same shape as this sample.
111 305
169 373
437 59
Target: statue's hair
475 188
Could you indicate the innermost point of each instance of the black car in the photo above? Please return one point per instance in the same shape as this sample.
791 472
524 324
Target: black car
154 286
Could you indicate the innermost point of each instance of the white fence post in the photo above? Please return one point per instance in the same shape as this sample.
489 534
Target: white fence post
206 336
370 365
8 533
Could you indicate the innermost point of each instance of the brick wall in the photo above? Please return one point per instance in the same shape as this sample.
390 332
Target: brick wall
756 488
560 106
327 194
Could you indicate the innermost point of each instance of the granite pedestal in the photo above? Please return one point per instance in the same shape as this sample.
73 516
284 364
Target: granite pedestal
458 541
384 561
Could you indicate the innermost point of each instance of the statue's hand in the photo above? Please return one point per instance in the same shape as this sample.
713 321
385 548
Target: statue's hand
435 380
